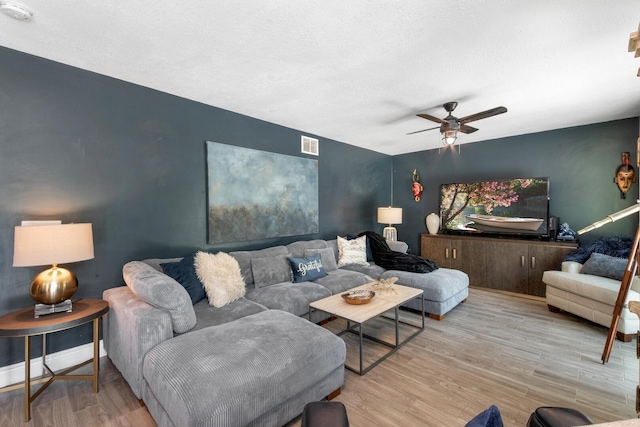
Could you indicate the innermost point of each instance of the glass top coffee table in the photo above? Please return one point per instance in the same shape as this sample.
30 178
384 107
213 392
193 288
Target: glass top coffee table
384 301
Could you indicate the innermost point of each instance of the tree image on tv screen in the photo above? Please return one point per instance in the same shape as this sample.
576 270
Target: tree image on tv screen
483 197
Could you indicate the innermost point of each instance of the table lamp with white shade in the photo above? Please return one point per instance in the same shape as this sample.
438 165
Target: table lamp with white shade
52 244
390 216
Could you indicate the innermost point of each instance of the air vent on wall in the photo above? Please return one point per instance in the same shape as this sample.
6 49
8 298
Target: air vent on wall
309 145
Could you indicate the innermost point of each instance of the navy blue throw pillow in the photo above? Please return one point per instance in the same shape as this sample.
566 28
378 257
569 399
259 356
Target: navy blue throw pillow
184 272
488 418
307 269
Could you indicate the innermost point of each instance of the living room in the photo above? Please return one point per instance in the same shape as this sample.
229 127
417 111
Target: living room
84 147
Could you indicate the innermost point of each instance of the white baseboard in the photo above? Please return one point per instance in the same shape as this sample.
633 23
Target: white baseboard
14 374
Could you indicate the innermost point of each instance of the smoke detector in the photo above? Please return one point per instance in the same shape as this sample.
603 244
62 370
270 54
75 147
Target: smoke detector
16 11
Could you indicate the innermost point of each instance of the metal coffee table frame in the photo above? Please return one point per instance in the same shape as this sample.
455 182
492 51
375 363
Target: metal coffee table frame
353 326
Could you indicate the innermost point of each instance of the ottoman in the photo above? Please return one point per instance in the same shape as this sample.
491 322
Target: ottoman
443 289
324 414
258 370
549 416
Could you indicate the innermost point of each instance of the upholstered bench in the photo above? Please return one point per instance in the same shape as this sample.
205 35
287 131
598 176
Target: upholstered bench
443 289
260 369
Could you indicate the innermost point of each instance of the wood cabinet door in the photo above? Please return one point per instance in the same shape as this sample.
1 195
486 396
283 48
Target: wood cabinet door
436 249
507 266
470 256
542 258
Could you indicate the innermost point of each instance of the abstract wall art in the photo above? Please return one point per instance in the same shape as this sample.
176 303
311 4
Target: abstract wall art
254 194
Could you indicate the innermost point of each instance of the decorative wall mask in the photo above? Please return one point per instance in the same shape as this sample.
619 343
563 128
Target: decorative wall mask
625 175
416 187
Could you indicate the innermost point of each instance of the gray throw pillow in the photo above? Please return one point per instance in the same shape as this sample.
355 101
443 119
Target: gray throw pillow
161 291
270 270
328 257
605 266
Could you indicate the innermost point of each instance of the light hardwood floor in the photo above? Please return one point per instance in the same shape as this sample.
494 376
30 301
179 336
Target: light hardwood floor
493 349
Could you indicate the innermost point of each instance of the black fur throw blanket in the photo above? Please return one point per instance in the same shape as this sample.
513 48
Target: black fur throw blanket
392 260
616 246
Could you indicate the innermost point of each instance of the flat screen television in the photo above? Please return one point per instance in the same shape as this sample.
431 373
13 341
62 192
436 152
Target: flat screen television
512 207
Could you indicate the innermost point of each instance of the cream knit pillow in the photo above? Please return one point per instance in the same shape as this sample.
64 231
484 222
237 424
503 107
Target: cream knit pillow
220 276
352 251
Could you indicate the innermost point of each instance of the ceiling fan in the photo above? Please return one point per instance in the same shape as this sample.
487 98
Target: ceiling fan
450 125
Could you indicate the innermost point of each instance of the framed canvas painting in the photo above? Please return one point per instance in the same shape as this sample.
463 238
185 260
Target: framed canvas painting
254 194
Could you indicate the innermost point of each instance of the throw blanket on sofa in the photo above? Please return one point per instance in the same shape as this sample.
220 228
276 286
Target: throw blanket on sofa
392 260
615 246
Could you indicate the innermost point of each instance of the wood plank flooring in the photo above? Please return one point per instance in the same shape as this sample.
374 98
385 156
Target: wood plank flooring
493 349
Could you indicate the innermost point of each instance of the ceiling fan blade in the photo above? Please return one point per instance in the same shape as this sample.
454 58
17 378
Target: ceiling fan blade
467 129
483 115
428 117
423 130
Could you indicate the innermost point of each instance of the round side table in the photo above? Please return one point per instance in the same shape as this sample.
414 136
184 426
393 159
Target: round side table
21 323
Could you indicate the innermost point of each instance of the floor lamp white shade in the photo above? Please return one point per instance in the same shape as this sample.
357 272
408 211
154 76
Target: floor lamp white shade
391 216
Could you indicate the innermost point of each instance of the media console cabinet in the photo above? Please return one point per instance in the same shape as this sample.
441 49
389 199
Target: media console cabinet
496 263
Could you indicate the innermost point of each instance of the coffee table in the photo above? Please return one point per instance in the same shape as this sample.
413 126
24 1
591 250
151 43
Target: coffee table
383 301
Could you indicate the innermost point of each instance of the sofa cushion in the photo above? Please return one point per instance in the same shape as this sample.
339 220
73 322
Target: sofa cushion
239 371
298 249
155 262
270 270
605 266
593 287
307 269
352 251
372 270
208 315
398 246
244 259
439 285
161 291
184 272
290 297
328 257
341 280
220 275
367 247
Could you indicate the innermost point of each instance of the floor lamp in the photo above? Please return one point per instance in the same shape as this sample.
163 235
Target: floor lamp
627 278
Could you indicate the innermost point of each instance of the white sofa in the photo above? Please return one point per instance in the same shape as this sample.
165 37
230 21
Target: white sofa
591 297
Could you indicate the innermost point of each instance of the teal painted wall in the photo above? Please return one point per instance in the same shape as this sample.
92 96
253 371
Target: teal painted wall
81 147
580 163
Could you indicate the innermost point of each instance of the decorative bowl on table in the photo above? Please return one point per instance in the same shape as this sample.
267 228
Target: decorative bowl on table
361 296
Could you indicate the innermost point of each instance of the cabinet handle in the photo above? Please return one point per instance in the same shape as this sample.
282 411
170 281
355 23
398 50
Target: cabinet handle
455 253
446 253
522 261
533 262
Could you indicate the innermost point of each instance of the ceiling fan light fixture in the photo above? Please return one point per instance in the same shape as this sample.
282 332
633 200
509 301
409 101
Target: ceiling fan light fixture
449 137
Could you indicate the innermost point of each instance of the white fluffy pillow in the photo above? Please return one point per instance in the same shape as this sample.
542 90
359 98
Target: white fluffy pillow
220 276
352 251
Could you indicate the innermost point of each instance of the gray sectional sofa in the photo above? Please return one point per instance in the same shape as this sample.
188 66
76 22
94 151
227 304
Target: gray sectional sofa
255 361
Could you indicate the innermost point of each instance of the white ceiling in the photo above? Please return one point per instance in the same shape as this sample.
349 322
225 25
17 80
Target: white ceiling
358 71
